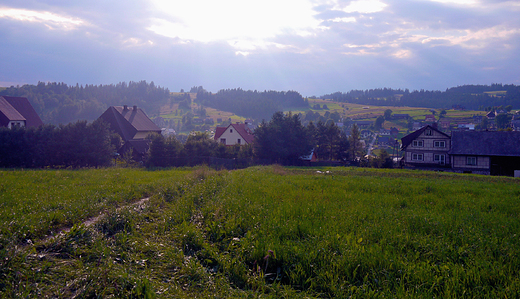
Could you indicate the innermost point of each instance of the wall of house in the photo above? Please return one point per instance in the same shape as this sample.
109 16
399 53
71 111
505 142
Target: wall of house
231 135
16 123
142 135
461 162
428 148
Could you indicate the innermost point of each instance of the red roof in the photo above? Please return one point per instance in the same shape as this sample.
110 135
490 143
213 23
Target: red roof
241 129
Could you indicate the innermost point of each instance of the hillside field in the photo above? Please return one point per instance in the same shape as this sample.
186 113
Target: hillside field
346 110
265 232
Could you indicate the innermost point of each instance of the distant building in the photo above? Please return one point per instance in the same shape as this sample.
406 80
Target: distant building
430 118
445 124
18 112
133 125
234 134
466 126
394 131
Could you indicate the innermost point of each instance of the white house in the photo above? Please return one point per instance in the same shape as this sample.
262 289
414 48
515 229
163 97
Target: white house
234 134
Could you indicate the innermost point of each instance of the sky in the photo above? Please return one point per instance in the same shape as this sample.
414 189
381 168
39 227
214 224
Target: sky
314 47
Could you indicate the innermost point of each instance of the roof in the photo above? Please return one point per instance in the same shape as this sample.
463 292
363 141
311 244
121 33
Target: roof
485 143
127 121
241 129
19 108
8 113
406 140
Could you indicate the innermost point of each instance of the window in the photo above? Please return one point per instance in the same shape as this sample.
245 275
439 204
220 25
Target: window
230 130
428 133
418 143
439 143
223 140
441 159
471 160
238 141
417 157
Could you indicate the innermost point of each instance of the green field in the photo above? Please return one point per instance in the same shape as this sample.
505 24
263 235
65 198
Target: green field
259 232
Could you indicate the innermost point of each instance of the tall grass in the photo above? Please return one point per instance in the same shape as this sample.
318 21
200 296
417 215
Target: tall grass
280 232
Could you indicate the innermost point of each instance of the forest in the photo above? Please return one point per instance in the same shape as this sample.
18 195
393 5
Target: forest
252 104
469 97
58 103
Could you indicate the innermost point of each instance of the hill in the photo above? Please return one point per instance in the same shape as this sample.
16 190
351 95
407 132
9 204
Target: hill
264 231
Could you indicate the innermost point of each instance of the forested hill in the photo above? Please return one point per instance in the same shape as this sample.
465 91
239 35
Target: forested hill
58 103
472 97
253 104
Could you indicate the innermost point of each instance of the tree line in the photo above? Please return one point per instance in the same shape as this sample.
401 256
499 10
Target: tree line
59 103
472 97
283 139
75 145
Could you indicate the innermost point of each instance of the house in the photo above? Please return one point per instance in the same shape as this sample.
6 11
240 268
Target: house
309 158
365 133
485 152
445 124
384 132
429 118
466 126
385 141
491 115
17 111
416 125
426 147
394 131
363 124
515 125
234 134
133 125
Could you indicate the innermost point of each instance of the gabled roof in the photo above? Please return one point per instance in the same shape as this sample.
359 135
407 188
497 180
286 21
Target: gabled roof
18 108
406 140
241 129
485 143
128 121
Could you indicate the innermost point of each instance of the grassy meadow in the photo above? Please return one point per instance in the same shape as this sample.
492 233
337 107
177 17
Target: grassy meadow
265 232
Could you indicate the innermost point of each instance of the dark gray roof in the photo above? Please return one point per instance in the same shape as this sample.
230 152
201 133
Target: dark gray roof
127 121
406 140
19 108
485 143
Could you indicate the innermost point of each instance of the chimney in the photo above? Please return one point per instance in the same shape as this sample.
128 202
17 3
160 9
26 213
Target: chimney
135 107
125 107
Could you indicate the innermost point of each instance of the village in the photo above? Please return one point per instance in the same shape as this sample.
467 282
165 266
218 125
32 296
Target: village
487 145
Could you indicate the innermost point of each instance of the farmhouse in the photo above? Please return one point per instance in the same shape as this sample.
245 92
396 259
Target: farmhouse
426 147
17 111
234 134
133 125
485 152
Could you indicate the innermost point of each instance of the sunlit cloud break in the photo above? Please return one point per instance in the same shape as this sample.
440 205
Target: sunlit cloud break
208 21
51 20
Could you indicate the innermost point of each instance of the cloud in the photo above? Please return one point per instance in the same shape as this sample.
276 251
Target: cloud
312 46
